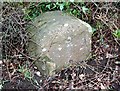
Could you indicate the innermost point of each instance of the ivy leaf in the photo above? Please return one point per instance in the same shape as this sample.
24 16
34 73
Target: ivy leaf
48 6
61 6
71 0
93 29
75 11
117 33
84 9
27 74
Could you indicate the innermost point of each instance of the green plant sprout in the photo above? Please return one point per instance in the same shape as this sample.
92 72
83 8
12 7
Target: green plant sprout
35 10
25 72
117 33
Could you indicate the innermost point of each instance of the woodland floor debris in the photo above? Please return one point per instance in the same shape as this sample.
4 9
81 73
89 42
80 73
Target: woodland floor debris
17 65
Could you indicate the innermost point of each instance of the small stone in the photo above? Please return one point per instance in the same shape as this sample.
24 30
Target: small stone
102 86
81 76
99 79
35 67
1 62
108 55
38 73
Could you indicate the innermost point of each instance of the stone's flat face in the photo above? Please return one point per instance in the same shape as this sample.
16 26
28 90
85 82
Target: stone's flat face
60 37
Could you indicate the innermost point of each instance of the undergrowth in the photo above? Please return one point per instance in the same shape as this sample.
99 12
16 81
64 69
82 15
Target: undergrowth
17 65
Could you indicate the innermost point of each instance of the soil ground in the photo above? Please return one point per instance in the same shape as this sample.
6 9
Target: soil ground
102 70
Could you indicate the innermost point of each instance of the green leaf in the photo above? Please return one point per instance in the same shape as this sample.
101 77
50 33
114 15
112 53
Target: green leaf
1 86
48 6
27 74
117 33
54 6
71 0
75 11
61 6
20 70
84 9
36 81
93 29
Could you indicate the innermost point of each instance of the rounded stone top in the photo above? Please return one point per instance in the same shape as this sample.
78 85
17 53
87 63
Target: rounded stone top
61 38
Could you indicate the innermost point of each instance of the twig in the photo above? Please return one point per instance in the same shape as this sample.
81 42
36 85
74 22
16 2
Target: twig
9 74
21 52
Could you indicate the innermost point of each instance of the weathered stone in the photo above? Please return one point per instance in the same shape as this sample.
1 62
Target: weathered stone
61 37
